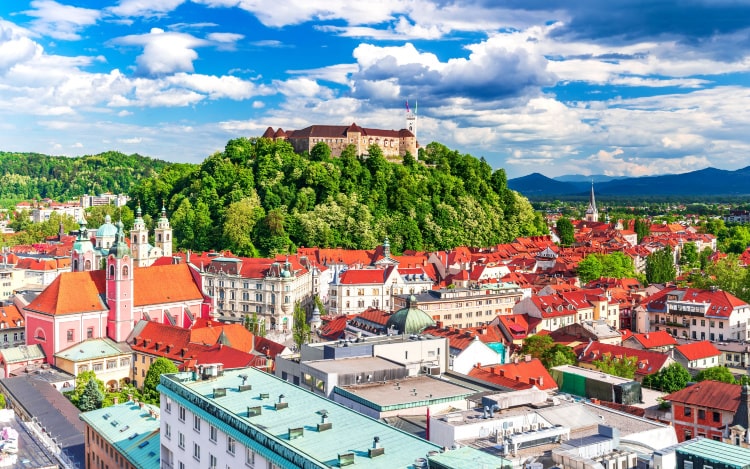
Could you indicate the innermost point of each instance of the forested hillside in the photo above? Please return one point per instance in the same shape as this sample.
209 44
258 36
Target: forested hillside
259 197
32 175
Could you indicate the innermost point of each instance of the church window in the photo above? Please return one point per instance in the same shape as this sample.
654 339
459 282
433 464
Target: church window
111 271
87 265
124 271
159 237
167 236
90 333
70 335
75 265
39 335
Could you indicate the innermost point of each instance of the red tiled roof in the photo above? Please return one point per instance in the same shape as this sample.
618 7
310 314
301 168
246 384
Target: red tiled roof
164 284
71 292
373 315
521 375
721 303
364 276
10 316
648 362
655 339
698 350
458 339
229 357
709 394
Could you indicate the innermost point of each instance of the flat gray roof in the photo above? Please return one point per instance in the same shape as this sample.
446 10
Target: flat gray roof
352 365
408 390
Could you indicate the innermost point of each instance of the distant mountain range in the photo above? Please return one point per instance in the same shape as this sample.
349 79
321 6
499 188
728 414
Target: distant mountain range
704 182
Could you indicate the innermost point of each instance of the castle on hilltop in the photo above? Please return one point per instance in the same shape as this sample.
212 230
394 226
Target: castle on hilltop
393 143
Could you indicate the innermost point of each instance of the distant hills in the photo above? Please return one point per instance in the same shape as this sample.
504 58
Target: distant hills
704 182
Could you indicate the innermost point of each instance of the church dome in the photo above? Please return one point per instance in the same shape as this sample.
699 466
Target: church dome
107 230
410 320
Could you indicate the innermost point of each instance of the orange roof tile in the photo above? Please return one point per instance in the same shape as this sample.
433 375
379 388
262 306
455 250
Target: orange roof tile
70 293
698 350
709 394
521 375
164 284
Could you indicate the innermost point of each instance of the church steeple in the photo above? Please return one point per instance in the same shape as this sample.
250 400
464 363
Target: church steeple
139 239
592 214
163 233
83 257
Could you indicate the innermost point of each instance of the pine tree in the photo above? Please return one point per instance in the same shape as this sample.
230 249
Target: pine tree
92 397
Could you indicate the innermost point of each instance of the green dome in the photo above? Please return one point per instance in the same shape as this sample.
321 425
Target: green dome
107 230
410 320
119 248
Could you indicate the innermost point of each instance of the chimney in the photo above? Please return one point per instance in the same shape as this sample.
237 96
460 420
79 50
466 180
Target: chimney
527 358
540 380
500 372
492 370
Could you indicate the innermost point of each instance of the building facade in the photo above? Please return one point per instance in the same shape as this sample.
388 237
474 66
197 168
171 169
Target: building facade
393 143
466 307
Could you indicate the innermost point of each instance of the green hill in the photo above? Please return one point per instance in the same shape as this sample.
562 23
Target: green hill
259 197
32 175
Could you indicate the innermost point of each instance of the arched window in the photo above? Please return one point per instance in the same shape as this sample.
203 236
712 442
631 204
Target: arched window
124 271
39 335
159 237
75 265
87 265
167 236
111 270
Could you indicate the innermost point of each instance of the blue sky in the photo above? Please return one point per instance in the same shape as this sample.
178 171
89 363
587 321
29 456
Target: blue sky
559 87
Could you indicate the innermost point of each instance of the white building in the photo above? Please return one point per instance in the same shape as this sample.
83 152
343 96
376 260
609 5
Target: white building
248 418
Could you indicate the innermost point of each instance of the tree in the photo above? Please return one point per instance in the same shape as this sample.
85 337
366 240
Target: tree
91 397
641 228
160 366
689 255
716 373
660 266
559 355
82 380
320 152
300 327
565 231
727 274
623 367
590 268
669 379
537 345
240 220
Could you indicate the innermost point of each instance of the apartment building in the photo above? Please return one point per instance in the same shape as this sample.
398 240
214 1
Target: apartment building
465 307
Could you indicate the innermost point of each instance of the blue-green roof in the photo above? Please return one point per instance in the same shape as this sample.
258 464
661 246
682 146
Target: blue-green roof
466 457
732 456
91 349
268 433
132 430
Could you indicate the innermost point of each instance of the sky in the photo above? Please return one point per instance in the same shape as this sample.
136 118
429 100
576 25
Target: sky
622 88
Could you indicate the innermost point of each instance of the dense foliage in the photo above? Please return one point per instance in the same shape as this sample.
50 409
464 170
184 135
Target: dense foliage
159 367
615 265
716 373
660 266
669 379
259 197
32 175
544 348
623 367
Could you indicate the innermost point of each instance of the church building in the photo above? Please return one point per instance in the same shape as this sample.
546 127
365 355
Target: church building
90 303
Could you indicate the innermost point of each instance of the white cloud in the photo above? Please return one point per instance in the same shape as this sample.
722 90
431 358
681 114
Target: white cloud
225 38
164 52
131 141
60 21
146 8
218 87
15 46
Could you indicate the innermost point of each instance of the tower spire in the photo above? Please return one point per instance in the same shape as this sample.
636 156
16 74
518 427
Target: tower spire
592 214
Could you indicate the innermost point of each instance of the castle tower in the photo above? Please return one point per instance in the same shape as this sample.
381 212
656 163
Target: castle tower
163 234
119 288
83 257
592 214
411 120
139 240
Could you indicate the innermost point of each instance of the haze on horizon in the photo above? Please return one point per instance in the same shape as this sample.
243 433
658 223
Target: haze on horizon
556 87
